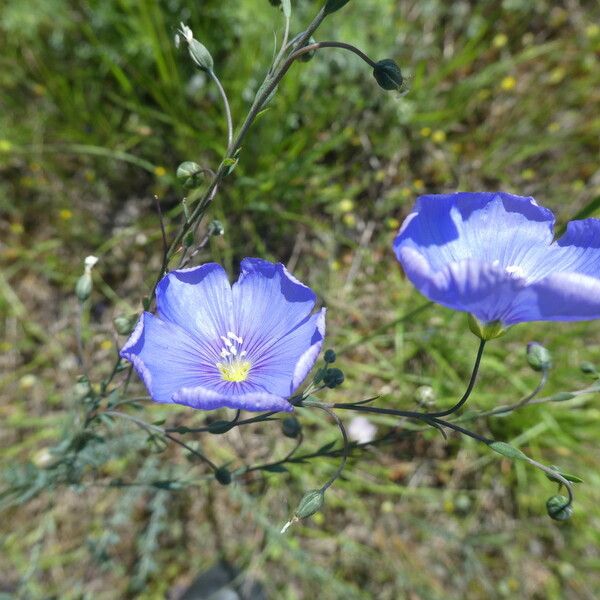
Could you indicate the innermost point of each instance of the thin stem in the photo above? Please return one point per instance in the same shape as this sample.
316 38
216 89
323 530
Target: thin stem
343 45
79 336
284 43
511 407
235 423
217 81
165 258
155 429
556 476
465 397
408 414
267 466
346 447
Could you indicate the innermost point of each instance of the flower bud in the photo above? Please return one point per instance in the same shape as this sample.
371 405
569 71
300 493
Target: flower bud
216 228
538 357
223 475
333 378
588 368
125 324
311 502
332 6
558 508
329 356
188 239
290 427
188 169
199 53
388 75
486 331
308 56
83 287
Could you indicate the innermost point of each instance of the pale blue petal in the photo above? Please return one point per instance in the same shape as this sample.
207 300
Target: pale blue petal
283 365
268 302
199 300
497 228
254 400
166 357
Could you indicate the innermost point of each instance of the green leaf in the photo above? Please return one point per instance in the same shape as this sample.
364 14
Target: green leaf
561 397
326 447
508 450
567 476
275 469
219 427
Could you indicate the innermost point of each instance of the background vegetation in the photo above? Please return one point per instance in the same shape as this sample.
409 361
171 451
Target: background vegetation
97 110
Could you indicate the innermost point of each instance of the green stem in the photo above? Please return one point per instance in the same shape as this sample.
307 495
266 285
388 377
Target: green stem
471 385
217 82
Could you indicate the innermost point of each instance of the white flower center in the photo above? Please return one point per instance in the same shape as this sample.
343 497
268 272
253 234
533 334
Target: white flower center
233 367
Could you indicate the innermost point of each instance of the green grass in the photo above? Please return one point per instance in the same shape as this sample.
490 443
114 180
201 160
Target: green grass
98 110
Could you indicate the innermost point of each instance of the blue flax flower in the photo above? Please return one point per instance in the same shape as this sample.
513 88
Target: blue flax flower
493 255
211 344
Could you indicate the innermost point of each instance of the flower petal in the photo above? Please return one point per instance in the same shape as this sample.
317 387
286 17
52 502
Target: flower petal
198 300
485 290
564 297
268 302
254 400
165 357
282 366
495 227
579 248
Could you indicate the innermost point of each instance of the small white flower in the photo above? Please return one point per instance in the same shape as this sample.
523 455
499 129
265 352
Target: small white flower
89 262
186 32
361 430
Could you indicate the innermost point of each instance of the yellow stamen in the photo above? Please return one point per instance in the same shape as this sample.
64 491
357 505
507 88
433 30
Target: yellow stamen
234 371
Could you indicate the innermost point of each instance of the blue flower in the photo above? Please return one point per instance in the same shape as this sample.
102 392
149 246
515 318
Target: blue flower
211 344
493 255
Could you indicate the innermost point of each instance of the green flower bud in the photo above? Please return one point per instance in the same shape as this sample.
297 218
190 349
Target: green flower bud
333 378
83 287
216 228
588 368
223 475
329 356
538 357
199 53
486 331
332 6
558 508
388 75
125 324
188 239
311 503
188 169
290 427
308 56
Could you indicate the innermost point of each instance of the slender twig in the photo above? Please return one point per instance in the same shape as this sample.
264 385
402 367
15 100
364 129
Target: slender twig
473 378
267 466
526 400
155 429
165 258
226 106
344 46
284 43
235 423
346 447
